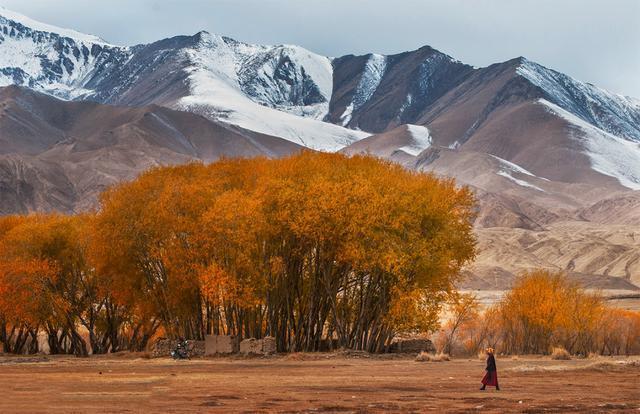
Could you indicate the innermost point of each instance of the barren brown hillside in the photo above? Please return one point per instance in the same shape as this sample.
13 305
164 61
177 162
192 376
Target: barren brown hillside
600 256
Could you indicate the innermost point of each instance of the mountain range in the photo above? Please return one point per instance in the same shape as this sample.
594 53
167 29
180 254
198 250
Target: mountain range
554 162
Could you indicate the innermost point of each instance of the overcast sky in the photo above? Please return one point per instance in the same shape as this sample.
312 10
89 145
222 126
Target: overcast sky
594 41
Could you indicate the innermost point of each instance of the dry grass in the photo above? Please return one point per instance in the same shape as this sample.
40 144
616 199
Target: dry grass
560 354
427 357
613 365
609 365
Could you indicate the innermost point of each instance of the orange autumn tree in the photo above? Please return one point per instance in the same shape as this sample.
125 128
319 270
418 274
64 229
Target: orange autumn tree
56 244
544 309
307 248
618 332
464 312
164 253
24 303
367 248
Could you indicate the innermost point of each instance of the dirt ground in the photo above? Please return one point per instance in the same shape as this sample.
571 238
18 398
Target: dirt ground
313 383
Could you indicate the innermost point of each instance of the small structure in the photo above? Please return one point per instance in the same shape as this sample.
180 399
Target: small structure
164 346
252 346
412 346
269 345
221 345
217 345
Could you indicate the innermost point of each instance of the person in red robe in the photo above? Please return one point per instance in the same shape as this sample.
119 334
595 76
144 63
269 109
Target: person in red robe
491 377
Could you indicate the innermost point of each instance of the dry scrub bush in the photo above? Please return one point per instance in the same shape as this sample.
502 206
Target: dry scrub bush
560 354
463 310
428 357
602 366
443 356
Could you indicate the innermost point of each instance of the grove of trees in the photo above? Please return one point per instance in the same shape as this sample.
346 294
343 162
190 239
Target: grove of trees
542 311
307 249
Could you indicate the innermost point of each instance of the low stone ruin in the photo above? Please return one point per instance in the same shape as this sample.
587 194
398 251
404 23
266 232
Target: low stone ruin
228 345
269 346
251 346
265 346
217 345
164 346
412 346
221 345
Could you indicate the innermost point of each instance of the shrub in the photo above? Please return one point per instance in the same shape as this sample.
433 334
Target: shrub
427 357
443 357
546 309
464 311
560 354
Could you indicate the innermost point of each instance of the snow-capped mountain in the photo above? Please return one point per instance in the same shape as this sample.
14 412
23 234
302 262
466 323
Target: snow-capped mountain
276 90
290 92
327 104
60 155
51 59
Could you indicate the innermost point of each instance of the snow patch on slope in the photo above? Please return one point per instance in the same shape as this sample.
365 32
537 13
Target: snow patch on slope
372 74
523 183
609 154
420 140
510 166
286 77
317 67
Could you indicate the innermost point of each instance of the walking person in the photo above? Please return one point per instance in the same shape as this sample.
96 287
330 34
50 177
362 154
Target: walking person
491 377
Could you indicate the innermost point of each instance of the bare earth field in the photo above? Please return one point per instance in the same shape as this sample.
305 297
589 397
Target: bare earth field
313 383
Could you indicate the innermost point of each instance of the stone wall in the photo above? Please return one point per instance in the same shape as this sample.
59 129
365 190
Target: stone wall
164 346
269 345
221 345
412 346
251 346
